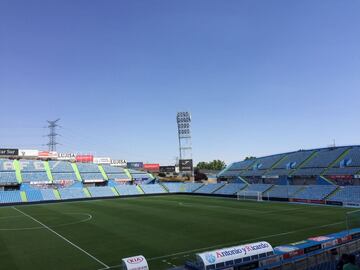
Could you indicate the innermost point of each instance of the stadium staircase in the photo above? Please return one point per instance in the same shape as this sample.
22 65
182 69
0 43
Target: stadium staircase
141 191
325 180
57 194
113 189
48 171
304 162
76 170
336 161
23 196
298 191
128 173
332 194
164 187
17 171
220 187
276 163
87 192
103 173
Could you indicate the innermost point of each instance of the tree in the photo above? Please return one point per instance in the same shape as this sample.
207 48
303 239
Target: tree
215 165
249 158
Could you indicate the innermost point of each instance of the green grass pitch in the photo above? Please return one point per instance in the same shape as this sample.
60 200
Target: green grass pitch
167 230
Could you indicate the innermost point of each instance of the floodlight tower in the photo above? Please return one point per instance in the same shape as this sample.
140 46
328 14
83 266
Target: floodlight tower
183 120
52 125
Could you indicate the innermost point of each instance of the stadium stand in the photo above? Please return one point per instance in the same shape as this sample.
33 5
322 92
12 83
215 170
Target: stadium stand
209 188
62 170
230 189
8 177
289 163
348 194
174 187
115 172
33 171
152 189
71 193
126 190
7 172
101 192
283 191
261 165
312 192
10 197
348 165
48 194
320 161
258 187
34 195
191 187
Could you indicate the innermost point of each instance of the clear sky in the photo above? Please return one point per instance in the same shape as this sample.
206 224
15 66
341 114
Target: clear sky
259 76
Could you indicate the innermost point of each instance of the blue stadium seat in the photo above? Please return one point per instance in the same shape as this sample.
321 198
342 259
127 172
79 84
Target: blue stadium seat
71 193
10 197
230 189
34 195
101 192
209 188
127 190
152 189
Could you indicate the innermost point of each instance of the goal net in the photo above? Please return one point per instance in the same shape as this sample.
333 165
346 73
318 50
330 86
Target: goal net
353 220
249 195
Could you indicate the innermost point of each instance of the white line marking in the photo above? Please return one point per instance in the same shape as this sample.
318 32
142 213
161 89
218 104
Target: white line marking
251 239
89 217
62 237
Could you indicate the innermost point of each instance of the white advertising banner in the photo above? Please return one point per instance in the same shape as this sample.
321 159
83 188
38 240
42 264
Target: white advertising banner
233 253
28 153
118 163
135 263
66 156
47 154
102 160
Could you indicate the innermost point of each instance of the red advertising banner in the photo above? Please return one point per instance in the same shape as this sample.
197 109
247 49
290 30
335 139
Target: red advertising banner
84 158
154 167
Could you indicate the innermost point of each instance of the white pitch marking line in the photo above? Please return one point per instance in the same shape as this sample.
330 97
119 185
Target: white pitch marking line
62 237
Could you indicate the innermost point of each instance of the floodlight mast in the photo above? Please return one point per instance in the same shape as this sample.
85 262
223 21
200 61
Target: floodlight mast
183 120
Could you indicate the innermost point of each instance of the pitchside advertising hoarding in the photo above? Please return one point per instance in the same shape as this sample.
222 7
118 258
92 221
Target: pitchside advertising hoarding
186 165
135 263
135 165
167 169
153 167
234 253
9 152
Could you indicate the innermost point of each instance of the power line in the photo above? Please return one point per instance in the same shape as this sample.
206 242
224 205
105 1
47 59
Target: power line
52 125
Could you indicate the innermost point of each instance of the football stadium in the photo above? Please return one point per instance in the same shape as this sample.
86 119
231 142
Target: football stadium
179 135
298 208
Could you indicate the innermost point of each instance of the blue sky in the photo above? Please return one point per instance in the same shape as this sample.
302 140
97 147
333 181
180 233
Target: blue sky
259 76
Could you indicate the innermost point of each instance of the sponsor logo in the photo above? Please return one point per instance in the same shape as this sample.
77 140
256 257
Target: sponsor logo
210 258
135 260
319 238
240 250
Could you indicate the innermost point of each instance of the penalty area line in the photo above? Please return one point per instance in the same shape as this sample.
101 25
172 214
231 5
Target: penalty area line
63 238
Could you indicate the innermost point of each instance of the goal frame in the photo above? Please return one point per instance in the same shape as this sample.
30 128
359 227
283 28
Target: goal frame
249 196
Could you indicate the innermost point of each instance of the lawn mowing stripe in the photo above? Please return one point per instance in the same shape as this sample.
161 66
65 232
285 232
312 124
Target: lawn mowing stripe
62 237
234 243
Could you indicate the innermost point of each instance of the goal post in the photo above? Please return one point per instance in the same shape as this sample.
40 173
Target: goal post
249 195
353 220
